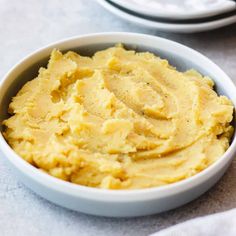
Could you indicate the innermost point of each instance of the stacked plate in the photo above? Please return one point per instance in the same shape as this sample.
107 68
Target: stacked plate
185 16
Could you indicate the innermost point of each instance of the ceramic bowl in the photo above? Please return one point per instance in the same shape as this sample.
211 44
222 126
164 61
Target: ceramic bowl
115 203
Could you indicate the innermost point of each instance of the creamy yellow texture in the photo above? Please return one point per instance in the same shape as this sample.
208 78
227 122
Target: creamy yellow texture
118 120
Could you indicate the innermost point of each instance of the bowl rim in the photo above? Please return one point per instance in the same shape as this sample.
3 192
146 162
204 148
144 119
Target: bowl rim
76 190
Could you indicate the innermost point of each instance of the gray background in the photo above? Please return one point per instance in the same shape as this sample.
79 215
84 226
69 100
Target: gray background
27 25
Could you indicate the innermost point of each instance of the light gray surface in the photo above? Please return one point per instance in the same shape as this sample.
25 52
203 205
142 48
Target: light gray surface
29 24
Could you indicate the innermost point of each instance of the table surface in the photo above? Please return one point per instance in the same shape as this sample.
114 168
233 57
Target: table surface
27 25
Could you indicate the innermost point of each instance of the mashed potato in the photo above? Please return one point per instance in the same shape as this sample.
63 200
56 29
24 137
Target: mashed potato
118 120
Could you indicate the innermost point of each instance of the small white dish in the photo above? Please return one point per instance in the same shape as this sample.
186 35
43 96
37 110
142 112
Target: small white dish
178 9
169 26
115 203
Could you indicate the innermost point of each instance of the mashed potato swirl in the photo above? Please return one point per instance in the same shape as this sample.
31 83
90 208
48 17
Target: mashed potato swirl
118 120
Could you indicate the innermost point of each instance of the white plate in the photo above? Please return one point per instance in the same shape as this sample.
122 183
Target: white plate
167 26
178 9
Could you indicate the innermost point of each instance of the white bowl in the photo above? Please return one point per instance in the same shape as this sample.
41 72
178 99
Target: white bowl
116 203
